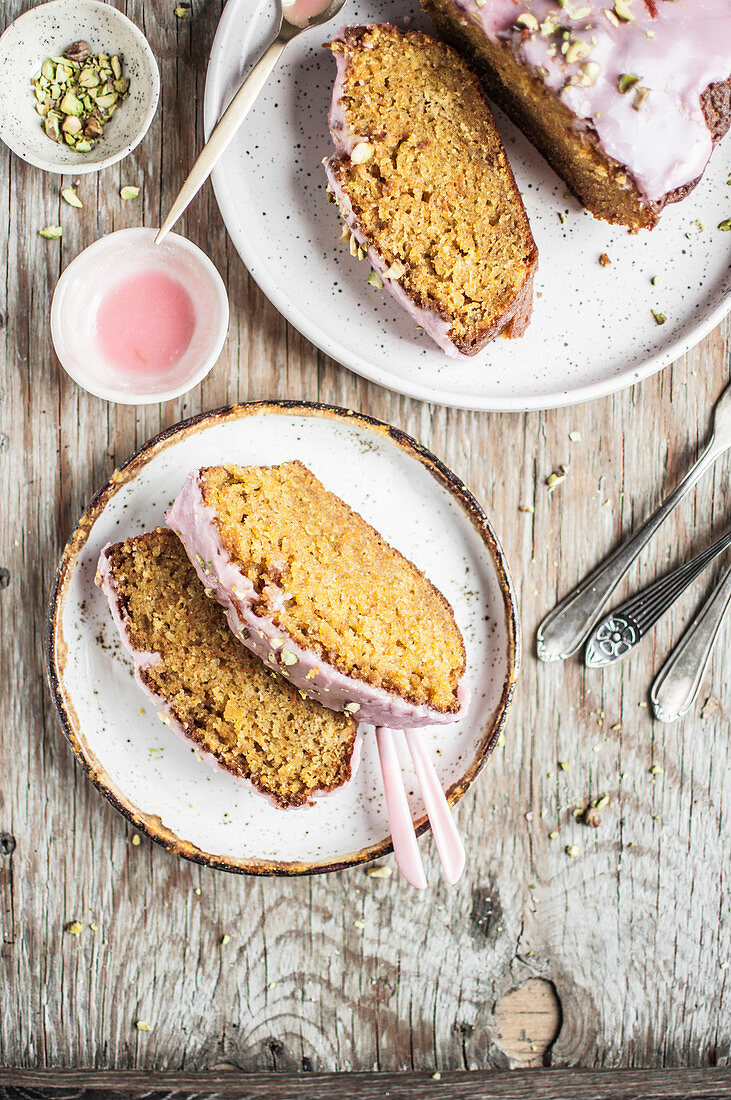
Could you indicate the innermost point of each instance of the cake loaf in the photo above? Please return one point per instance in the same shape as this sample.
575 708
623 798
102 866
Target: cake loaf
425 188
319 595
210 689
624 98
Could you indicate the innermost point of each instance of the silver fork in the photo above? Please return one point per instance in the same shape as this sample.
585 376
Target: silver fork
678 681
565 628
294 19
628 624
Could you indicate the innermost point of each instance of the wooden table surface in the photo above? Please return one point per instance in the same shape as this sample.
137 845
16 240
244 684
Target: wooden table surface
626 947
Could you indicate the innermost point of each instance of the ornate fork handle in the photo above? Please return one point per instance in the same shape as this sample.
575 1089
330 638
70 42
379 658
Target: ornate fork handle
620 631
565 628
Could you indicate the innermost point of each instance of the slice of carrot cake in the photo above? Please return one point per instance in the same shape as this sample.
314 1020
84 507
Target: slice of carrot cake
211 690
425 188
319 595
626 99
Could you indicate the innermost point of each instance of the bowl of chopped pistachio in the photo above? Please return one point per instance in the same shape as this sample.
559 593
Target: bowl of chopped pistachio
80 86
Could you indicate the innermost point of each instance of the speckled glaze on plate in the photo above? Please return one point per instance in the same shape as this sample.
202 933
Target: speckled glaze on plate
157 780
47 30
592 330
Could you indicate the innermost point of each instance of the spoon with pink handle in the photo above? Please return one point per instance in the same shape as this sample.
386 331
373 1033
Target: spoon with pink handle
405 846
295 17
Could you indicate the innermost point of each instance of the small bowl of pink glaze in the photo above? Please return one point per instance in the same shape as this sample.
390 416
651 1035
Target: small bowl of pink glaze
138 323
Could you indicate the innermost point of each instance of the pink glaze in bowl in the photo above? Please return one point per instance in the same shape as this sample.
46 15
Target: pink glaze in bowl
153 322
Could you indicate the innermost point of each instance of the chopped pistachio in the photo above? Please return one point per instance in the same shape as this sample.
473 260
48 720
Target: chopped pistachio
73 125
640 96
142 1025
351 708
83 87
107 100
601 802
345 235
572 850
526 508
623 11
589 72
564 765
78 51
660 319
51 232
71 105
182 12
287 657
89 78
656 770
375 280
553 835
611 17
395 271
528 21
562 217
353 246
577 51
136 839
225 938
362 152
69 195
379 872
627 81
74 928
656 280
129 192
556 478
725 225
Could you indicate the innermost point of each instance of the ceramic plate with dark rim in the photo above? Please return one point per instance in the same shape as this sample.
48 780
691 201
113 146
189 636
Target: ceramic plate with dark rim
156 779
592 331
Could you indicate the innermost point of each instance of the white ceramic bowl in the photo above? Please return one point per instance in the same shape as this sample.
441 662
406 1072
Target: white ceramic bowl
48 30
87 278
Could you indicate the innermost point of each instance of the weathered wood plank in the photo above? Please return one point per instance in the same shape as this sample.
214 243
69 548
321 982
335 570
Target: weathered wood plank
708 1084
634 934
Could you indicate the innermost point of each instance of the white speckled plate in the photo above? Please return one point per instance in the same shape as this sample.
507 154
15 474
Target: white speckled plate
156 779
592 330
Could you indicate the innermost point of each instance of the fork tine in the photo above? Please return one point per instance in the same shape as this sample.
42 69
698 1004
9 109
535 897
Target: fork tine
446 835
406 849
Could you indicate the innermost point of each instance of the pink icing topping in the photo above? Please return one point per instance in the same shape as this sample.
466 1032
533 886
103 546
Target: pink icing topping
195 524
345 140
143 660
676 53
